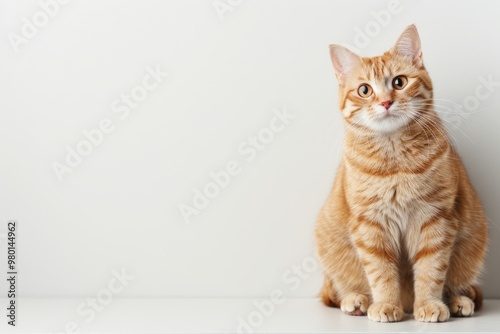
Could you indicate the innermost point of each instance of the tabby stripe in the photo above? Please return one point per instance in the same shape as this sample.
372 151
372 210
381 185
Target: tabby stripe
370 223
371 272
442 267
427 279
395 170
432 250
378 252
431 222
342 105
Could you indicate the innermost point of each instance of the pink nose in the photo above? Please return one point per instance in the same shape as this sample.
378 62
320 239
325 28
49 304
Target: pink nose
386 104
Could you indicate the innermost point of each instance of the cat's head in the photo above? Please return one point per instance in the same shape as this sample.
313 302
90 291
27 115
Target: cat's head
387 92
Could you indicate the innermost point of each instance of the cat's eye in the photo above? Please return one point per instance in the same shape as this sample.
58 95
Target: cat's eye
365 90
399 82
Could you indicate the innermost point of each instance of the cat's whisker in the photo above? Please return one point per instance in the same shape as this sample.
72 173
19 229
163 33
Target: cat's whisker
449 101
447 111
442 112
437 127
424 127
450 133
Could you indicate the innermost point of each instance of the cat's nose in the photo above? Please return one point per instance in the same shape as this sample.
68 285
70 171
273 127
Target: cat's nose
386 104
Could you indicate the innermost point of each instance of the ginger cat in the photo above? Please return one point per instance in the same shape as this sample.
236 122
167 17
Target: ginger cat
402 229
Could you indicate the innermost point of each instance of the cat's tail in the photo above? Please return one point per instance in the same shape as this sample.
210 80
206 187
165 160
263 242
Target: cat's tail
476 295
327 294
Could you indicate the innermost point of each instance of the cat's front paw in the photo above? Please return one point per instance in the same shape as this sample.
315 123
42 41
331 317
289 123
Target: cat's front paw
432 311
384 312
462 306
355 304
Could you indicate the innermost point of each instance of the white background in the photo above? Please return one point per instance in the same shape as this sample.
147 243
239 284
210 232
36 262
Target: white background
119 209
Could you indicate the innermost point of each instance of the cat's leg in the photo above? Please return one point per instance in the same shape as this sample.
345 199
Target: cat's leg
345 283
467 258
355 304
351 304
461 306
328 295
378 253
462 296
466 302
430 264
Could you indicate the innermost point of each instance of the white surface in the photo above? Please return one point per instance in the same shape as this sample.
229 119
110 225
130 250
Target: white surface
221 316
119 208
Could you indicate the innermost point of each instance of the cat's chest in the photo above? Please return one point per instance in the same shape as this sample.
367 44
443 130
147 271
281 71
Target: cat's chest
395 200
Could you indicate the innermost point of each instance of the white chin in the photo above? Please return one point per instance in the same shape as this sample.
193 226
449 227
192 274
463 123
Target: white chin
387 125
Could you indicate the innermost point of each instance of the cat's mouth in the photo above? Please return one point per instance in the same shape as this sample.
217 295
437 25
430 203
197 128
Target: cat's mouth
386 115
388 120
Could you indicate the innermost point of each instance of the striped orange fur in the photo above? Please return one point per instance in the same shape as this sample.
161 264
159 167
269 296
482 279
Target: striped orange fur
403 229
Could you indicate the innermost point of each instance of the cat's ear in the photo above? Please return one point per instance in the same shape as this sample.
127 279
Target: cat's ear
408 44
344 61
